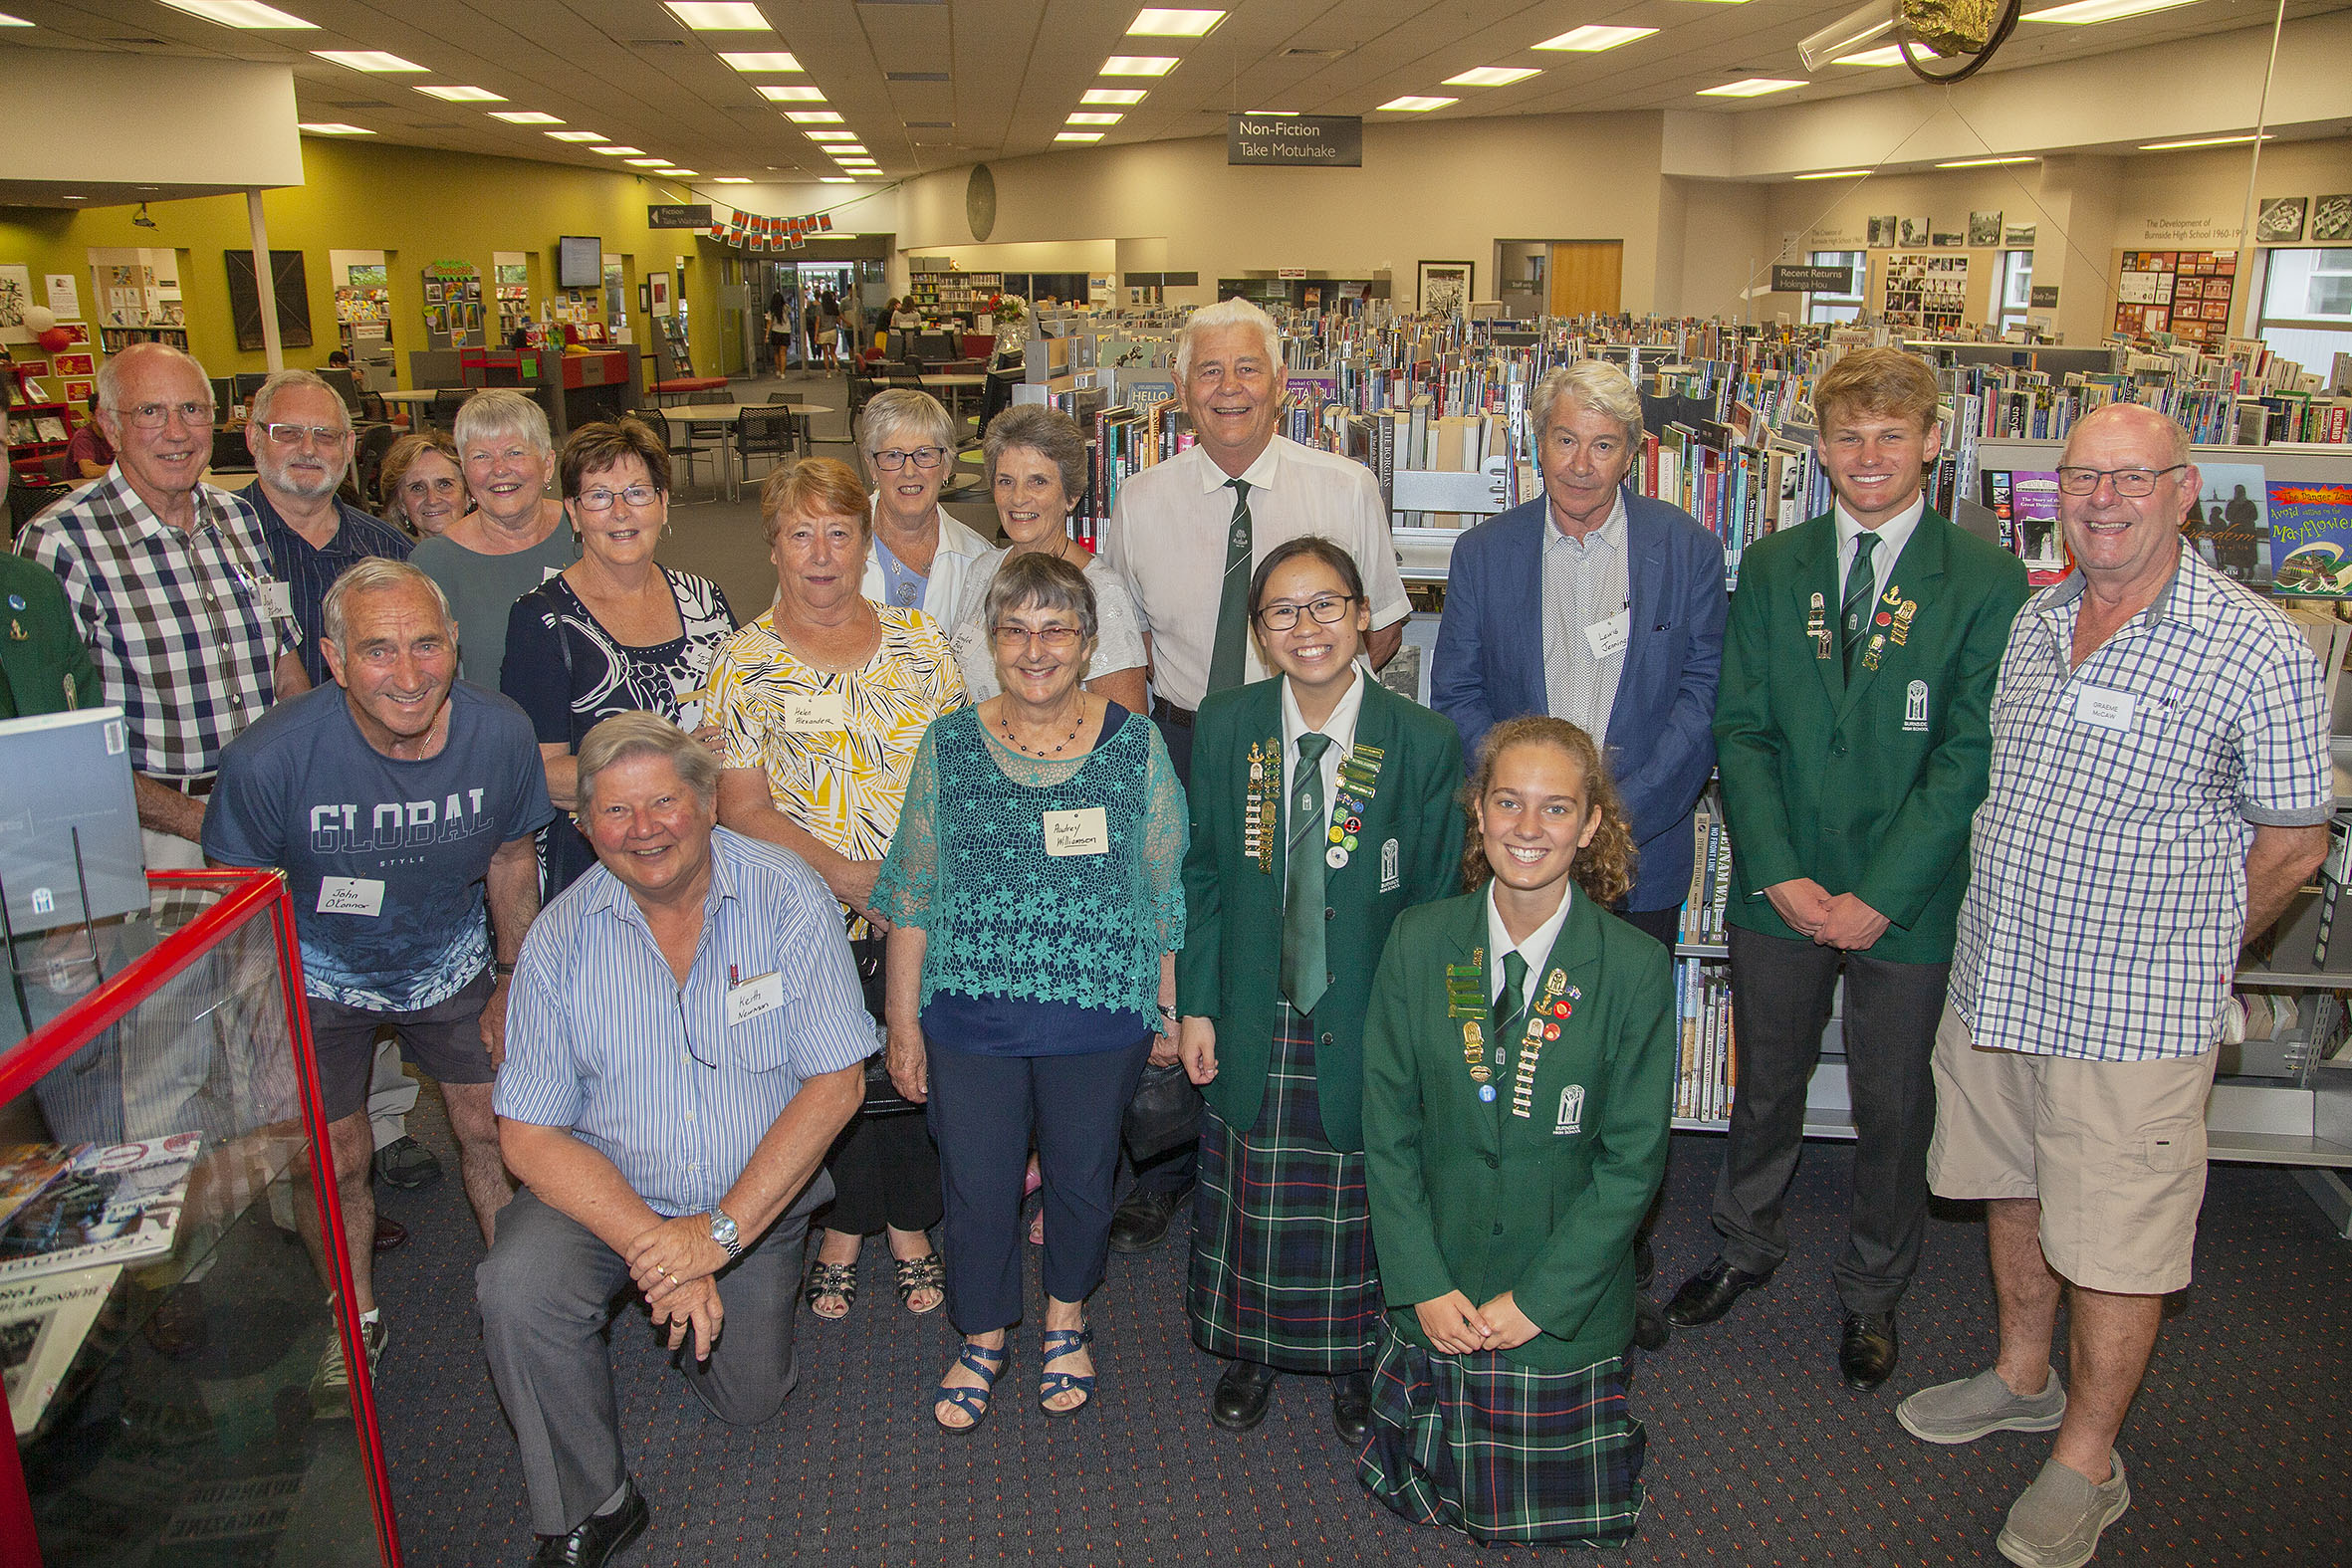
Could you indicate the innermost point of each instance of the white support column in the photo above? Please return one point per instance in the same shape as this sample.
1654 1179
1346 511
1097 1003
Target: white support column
264 286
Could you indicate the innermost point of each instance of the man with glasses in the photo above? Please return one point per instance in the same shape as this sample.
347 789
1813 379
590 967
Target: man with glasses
2160 790
689 1037
172 587
401 804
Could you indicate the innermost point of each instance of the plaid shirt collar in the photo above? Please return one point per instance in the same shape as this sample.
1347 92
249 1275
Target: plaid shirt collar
2191 596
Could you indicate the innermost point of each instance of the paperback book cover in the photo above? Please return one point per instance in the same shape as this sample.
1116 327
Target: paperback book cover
26 1170
43 1322
2311 538
115 1204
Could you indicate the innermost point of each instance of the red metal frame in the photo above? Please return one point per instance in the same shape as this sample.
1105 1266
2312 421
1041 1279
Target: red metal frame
250 895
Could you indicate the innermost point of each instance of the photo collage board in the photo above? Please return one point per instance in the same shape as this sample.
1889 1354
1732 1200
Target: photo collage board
2185 293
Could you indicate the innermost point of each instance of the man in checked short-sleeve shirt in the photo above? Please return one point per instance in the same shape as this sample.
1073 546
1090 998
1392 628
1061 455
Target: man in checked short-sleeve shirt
2160 790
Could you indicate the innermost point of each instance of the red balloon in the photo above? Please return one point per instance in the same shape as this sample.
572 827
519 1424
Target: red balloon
56 339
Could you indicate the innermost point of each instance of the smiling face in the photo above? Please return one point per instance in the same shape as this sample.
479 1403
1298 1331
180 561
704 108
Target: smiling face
432 492
395 662
165 462
2118 539
1041 654
648 826
305 469
1877 462
908 495
506 475
1535 815
1031 501
820 560
1233 394
624 535
1318 658
1585 456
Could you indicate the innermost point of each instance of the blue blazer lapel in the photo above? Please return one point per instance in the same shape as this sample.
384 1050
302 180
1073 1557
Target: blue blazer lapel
1645 576
1518 600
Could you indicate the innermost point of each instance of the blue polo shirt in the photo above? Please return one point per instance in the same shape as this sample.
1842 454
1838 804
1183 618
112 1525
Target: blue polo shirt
310 572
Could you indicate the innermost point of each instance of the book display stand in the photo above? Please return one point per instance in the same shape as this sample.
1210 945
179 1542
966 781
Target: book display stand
161 1315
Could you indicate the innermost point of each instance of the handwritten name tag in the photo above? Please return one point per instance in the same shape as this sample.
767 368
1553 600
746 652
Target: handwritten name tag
2108 710
760 995
1609 636
1085 831
277 600
814 713
350 895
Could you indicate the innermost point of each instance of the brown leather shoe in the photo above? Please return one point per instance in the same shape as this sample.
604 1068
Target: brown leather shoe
389 1234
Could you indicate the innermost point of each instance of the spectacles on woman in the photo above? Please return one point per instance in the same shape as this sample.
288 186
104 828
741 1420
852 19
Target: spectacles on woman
1327 610
602 500
2133 483
923 457
1061 639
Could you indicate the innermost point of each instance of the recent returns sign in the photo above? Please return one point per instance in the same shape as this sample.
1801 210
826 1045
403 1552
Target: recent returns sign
1331 141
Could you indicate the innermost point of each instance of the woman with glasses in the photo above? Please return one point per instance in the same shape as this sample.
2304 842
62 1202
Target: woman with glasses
1036 471
1322 807
922 557
615 631
514 540
822 703
422 485
1035 899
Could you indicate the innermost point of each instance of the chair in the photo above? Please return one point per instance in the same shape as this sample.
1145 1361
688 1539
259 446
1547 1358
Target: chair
27 501
367 461
690 438
442 411
764 432
801 431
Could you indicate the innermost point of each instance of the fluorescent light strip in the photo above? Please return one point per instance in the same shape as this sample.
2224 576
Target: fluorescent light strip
717 16
1754 87
762 59
1156 23
525 116
1078 136
616 153
1592 40
776 93
831 136
2082 13
650 164
812 116
335 127
577 135
848 155
1417 106
1492 76
465 94
835 180
240 13
732 179
17 21
1836 174
675 173
366 60
1273 114
1887 55
1083 119
1126 96
1139 65
2203 141
1986 163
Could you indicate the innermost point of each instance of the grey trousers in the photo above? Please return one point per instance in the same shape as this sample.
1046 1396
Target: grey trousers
546 1291
1780 997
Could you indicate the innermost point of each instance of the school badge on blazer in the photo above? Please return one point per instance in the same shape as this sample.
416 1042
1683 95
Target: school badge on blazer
1572 1112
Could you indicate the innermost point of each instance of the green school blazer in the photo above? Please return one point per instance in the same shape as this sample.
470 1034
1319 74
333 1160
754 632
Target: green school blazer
1466 1196
1408 853
1865 787
44 667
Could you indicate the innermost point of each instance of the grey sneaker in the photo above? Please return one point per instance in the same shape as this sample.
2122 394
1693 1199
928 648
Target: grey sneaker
331 1383
1962 1411
2056 1522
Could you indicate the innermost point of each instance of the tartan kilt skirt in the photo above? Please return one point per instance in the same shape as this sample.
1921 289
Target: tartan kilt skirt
1283 1272
1504 1452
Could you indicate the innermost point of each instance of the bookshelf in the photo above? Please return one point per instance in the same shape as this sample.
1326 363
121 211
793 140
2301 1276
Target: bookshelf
958 292
39 431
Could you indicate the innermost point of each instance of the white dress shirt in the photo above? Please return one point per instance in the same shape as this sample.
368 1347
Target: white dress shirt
1893 535
1586 584
1167 539
1340 727
1536 949
943 589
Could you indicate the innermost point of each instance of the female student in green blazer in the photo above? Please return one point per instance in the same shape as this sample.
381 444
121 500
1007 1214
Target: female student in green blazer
1515 1127
1295 873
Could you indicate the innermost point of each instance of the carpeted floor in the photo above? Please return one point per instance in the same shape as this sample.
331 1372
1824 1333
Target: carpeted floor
1758 1454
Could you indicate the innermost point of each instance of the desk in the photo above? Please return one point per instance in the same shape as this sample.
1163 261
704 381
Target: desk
955 385
721 416
419 401
680 386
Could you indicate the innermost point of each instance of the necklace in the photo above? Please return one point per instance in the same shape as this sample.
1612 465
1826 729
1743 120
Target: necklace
1005 728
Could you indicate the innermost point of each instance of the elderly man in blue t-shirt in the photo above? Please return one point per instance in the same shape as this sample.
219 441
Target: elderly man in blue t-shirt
689 1037
399 803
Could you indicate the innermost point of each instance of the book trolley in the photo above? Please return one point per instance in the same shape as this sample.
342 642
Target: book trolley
161 1399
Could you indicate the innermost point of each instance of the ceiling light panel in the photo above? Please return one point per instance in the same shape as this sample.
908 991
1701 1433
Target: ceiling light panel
1754 87
366 60
2203 141
17 21
1127 97
465 94
335 127
525 116
1592 40
1140 65
1836 174
237 13
1886 54
616 153
2084 12
1101 118
812 116
1078 136
775 93
1986 163
1155 23
832 136
1417 106
650 164
1492 76
835 180
1274 113
717 16
675 173
577 135
762 59
732 179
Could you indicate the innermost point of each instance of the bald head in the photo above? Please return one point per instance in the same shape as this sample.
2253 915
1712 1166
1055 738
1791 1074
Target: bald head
2133 422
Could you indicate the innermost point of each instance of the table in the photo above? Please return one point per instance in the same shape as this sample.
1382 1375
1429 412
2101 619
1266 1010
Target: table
421 399
955 385
680 386
723 416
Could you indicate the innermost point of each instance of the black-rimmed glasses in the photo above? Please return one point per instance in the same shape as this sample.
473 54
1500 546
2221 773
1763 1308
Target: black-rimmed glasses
1328 610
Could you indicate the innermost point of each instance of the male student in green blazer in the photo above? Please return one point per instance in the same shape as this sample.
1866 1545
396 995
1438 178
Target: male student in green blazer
44 668
1853 740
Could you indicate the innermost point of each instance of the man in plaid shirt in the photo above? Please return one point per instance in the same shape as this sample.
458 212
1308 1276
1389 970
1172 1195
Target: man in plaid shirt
2160 790
171 587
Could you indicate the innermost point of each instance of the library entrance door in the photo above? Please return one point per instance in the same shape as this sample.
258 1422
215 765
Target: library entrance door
1586 275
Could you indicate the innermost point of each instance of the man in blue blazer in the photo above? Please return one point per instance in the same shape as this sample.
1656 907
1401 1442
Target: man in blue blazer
1604 609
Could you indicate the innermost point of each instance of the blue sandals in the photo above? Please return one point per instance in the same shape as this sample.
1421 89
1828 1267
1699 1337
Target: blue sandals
972 1402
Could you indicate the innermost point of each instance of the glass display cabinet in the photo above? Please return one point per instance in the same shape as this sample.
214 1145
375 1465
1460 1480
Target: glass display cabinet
170 1276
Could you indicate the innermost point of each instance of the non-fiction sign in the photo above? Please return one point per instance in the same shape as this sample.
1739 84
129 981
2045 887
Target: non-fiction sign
1333 141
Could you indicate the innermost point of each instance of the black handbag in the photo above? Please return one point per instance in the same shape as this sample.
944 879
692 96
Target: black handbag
1165 1113
881 1095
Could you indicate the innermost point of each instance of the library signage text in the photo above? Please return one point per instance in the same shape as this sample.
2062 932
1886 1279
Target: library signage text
682 215
1332 142
1812 280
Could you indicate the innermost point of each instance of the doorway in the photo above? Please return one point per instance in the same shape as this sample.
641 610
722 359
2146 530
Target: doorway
1587 277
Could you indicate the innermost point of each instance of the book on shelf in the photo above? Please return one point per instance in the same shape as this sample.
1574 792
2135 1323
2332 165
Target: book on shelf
114 1204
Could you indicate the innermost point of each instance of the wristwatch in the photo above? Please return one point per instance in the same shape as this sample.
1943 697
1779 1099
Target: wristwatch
500 970
724 1232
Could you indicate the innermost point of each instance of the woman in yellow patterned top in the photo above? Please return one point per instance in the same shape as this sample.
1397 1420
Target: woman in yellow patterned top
823 701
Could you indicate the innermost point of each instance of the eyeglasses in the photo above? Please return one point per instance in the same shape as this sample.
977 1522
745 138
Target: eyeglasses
923 457
2133 483
638 496
293 435
1061 639
154 416
1328 610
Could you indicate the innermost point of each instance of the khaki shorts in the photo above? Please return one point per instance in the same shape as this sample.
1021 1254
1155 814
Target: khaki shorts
2114 1151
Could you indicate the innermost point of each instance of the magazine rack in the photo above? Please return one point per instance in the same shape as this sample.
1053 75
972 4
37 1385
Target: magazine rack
164 1414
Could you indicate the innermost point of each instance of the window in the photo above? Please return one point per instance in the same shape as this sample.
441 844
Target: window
1821 309
2016 289
2308 305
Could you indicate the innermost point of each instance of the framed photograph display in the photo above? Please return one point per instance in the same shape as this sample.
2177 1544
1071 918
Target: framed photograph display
1445 286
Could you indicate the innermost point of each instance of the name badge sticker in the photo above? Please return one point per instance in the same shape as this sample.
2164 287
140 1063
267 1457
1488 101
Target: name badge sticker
815 713
755 997
2108 710
1609 636
277 599
350 895
1085 831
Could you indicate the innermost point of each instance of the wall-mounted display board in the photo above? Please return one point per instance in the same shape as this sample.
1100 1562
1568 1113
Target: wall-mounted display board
452 303
134 294
1926 290
2185 293
291 288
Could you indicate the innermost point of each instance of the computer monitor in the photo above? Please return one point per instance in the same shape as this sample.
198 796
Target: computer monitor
248 383
346 385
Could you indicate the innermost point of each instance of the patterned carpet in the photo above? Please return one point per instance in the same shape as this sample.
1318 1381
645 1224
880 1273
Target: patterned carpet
1758 1456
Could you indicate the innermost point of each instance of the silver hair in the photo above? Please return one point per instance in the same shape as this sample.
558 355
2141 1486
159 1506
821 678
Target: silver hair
117 365
258 408
1034 580
378 574
640 734
1228 313
902 409
503 412
1597 384
1049 433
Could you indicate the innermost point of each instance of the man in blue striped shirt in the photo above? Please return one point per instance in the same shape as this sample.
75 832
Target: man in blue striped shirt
686 1038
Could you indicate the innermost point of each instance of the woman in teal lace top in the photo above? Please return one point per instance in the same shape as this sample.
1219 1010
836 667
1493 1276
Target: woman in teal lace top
1034 890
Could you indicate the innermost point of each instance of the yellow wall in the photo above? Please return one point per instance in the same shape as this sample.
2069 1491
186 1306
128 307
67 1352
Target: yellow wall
417 206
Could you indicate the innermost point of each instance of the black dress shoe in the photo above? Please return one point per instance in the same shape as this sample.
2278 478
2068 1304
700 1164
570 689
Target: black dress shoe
1866 1355
600 1539
1141 1223
1242 1395
1645 1263
1650 1330
1709 1293
389 1234
1351 1406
